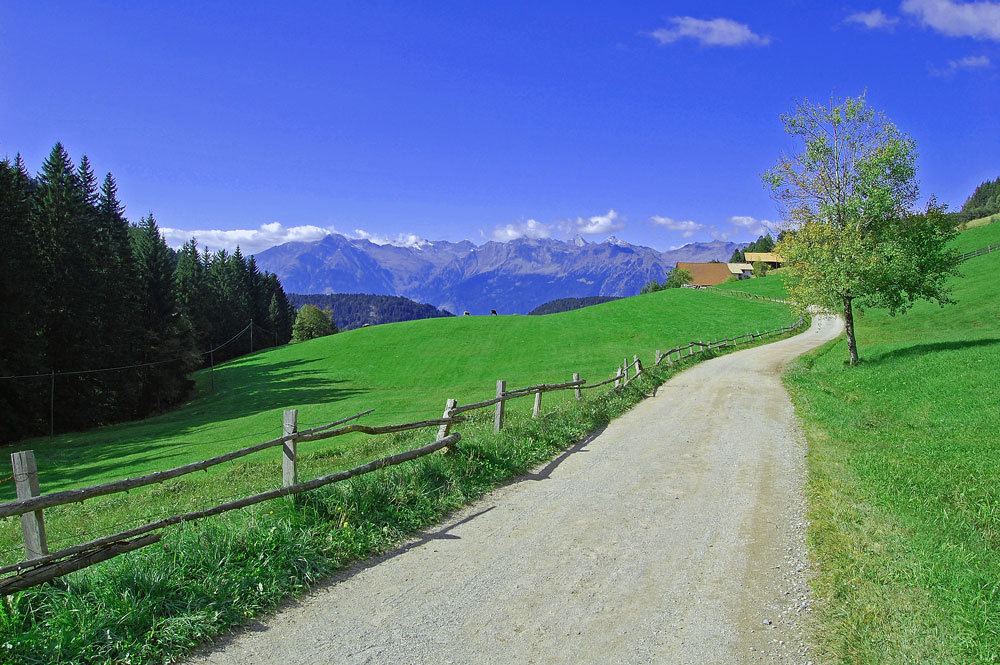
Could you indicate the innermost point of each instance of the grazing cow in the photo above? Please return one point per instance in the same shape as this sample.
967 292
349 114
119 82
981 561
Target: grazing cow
493 312
467 314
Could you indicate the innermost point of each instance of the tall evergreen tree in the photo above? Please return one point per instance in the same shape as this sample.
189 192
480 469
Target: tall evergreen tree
63 222
117 289
165 335
21 411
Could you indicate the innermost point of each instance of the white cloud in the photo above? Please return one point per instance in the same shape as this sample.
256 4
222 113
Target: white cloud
751 225
713 32
979 20
873 20
410 240
528 229
599 224
250 241
968 62
687 228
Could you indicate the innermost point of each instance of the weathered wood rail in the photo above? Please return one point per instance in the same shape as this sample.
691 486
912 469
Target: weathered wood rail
40 565
989 249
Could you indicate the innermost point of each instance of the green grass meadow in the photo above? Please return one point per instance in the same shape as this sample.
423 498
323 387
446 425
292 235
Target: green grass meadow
155 604
772 285
904 479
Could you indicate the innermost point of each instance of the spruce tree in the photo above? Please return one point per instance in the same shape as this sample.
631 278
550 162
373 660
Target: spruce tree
21 409
166 337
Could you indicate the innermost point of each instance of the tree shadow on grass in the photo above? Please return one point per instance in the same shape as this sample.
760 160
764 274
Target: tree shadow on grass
933 347
123 450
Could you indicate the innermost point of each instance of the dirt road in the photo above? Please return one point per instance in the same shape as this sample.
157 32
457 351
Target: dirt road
676 535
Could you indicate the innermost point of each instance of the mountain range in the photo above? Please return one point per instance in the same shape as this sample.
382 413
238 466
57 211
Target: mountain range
511 277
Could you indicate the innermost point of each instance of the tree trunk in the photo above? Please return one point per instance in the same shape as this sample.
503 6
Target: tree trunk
852 345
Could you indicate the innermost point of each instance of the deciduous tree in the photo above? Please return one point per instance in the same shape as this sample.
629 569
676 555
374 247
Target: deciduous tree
853 241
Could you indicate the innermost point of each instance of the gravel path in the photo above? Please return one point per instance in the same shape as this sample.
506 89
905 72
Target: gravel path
676 535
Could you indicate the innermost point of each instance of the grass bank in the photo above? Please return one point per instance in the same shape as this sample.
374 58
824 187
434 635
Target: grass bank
772 285
159 603
903 468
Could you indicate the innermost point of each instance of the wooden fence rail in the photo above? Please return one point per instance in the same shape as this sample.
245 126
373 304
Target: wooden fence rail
40 565
989 249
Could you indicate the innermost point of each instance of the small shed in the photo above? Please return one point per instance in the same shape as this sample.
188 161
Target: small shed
741 270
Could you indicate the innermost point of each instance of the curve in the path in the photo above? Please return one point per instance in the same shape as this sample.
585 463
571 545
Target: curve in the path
673 536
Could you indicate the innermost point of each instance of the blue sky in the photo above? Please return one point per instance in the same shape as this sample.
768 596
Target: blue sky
262 123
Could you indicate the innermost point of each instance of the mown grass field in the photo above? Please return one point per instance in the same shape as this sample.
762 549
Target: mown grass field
404 371
159 602
772 286
904 479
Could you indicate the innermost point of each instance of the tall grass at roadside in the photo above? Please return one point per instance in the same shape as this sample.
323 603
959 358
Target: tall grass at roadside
903 479
157 604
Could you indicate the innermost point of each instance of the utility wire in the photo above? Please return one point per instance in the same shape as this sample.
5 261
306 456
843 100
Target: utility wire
122 367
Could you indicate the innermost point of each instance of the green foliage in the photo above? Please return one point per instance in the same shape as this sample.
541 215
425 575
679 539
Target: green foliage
902 485
738 256
569 304
760 269
764 243
651 287
678 277
85 291
985 201
312 322
857 244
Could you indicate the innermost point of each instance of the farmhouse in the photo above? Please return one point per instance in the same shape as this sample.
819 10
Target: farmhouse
706 274
741 270
770 258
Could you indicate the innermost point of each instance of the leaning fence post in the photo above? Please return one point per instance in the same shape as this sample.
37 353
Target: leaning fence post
446 427
498 414
579 393
289 457
638 366
538 405
26 486
659 356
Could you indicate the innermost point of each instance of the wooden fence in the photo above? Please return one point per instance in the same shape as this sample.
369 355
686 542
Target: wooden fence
40 565
979 252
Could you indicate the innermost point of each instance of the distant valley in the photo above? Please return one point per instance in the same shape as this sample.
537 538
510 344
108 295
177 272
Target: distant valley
511 277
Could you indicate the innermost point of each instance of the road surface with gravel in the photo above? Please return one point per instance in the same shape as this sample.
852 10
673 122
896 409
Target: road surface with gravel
675 535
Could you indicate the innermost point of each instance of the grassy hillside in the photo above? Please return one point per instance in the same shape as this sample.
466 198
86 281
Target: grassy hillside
155 604
772 286
983 232
903 466
405 371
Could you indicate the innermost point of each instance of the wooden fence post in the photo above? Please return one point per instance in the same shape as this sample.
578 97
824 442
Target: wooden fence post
625 365
26 486
498 414
537 409
289 458
658 357
446 427
638 365
579 393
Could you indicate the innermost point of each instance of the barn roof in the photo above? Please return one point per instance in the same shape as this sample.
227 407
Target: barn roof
766 257
706 274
